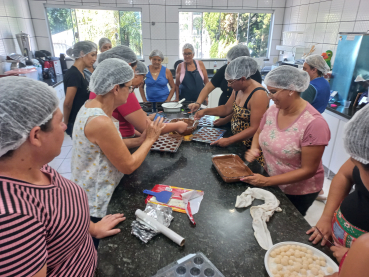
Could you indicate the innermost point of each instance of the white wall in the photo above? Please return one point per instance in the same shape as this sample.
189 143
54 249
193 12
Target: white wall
15 17
321 20
164 35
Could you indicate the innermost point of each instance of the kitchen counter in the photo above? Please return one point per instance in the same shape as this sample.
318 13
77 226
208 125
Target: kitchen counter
222 232
54 82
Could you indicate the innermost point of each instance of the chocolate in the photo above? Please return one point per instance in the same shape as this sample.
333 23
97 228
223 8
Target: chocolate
190 128
231 168
167 143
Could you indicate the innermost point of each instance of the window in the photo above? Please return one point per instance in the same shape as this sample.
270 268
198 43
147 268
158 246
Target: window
213 33
68 26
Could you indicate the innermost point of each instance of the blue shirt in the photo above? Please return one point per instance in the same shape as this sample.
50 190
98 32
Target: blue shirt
317 94
157 90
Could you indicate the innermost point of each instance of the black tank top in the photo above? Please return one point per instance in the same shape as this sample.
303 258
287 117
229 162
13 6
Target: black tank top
355 207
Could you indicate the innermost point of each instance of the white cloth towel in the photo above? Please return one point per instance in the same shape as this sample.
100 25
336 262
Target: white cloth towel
261 213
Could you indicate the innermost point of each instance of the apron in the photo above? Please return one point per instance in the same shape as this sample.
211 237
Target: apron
191 85
241 121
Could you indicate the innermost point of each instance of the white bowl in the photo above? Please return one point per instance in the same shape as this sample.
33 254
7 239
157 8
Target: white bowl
269 264
169 107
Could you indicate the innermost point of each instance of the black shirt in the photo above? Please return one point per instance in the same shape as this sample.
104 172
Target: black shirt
219 80
355 207
74 78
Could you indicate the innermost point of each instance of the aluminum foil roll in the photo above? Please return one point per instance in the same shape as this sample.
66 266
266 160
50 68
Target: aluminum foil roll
146 232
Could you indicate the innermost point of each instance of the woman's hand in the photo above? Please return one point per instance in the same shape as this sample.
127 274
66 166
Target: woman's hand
199 114
153 131
256 180
220 122
181 126
223 142
339 251
324 226
252 154
104 228
151 116
194 107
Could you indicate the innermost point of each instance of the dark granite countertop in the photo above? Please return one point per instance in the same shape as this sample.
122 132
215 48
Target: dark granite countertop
54 82
223 233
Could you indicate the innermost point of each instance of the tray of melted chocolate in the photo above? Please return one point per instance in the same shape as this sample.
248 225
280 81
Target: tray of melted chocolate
208 135
230 167
167 143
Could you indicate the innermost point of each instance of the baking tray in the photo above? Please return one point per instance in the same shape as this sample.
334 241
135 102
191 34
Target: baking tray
167 143
192 265
208 134
207 120
190 128
234 168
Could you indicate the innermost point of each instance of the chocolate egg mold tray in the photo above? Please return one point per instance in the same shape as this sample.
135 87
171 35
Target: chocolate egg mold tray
208 135
167 143
207 121
193 265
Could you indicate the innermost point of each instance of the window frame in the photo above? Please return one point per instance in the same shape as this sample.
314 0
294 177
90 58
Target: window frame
64 6
273 12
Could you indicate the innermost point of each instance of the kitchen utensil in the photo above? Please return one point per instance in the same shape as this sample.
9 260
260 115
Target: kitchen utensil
208 135
270 264
329 243
230 167
197 265
180 102
25 45
167 143
163 196
191 125
168 108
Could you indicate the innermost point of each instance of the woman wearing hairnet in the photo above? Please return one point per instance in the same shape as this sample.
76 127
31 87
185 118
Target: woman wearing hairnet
75 84
318 92
353 261
100 157
247 103
132 119
292 136
157 80
44 217
191 75
104 45
219 81
345 215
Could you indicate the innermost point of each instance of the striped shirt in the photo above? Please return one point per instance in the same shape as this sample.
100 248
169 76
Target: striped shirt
45 224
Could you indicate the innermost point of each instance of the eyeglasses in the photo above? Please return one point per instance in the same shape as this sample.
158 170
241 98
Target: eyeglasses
187 54
230 83
270 93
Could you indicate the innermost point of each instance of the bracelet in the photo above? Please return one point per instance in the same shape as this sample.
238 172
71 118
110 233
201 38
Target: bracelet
198 104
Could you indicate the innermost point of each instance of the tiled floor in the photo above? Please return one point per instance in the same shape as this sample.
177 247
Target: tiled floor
62 164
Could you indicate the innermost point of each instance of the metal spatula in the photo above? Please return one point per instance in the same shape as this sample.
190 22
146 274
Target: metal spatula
163 196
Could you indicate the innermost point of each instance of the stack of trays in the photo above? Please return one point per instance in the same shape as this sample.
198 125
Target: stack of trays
167 143
208 135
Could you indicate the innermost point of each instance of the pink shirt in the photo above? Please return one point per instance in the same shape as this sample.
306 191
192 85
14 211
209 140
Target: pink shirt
282 148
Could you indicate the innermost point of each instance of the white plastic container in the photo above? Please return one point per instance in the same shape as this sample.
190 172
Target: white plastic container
26 72
171 107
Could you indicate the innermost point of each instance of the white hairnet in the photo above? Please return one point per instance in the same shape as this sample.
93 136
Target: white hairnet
241 67
109 73
156 53
318 62
356 136
103 41
237 51
120 52
188 46
141 68
24 104
288 77
81 49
